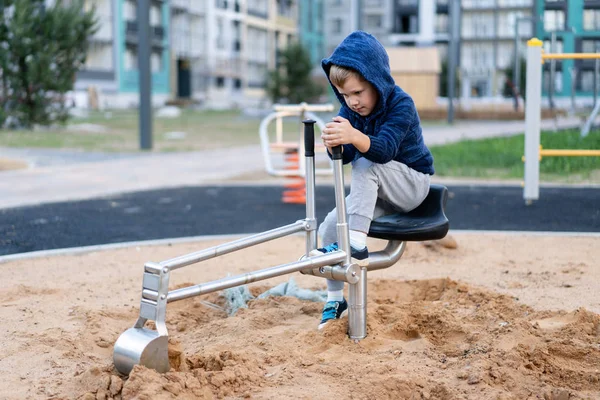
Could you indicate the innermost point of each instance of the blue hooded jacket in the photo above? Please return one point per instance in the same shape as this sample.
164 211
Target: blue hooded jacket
393 126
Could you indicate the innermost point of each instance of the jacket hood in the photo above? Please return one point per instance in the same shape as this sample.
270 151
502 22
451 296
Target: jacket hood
362 52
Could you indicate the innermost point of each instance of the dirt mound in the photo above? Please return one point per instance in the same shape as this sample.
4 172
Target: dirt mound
479 335
428 339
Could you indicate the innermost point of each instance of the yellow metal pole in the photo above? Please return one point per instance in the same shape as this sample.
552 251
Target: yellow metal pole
569 153
563 56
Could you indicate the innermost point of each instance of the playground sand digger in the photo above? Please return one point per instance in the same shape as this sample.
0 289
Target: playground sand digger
502 316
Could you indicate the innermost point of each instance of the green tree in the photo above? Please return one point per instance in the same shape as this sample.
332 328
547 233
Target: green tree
42 49
444 81
291 81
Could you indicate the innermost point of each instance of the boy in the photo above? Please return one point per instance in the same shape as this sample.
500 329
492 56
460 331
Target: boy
381 135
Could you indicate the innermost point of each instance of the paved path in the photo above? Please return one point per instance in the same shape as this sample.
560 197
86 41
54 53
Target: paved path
57 175
218 210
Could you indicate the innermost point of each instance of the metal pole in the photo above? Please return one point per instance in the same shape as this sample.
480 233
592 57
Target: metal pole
255 276
596 72
357 313
340 202
552 72
516 69
531 189
145 78
453 47
573 87
309 154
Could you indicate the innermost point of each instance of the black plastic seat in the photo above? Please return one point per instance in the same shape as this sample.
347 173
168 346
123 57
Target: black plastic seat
426 222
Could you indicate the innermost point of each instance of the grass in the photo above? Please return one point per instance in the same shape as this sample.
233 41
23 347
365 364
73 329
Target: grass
204 130
501 158
494 158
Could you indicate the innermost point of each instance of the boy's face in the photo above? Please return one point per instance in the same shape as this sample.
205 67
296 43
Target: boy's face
359 95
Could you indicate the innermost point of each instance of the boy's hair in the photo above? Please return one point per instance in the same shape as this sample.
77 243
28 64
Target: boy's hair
338 75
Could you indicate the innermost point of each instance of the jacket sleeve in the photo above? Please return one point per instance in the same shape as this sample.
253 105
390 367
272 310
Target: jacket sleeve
348 150
385 143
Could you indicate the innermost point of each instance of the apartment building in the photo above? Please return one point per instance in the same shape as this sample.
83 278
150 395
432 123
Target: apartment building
575 28
216 52
110 74
488 33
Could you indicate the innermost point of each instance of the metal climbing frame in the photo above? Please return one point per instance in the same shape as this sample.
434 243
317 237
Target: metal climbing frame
148 347
273 145
533 150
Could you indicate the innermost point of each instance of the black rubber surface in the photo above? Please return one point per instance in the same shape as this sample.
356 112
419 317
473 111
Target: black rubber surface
213 210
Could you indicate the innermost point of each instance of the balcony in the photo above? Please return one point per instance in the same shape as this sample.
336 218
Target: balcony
229 67
158 33
180 4
255 12
131 33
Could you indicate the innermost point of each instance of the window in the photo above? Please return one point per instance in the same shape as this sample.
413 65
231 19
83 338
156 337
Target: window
591 20
587 81
554 20
219 82
100 57
156 61
256 45
406 23
221 4
257 74
155 16
220 34
441 23
557 82
558 46
373 21
237 83
515 3
130 10
257 8
131 58
337 26
590 46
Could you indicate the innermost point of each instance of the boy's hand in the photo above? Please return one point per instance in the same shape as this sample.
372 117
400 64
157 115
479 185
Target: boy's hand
340 131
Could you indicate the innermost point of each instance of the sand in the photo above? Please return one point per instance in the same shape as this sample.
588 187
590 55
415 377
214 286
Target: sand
502 316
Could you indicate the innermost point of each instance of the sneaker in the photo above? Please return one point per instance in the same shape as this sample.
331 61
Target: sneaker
333 310
359 257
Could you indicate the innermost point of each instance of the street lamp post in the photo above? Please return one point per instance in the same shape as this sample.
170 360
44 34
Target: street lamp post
453 48
145 77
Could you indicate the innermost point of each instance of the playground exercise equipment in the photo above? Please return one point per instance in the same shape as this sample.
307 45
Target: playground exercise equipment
533 150
287 151
149 347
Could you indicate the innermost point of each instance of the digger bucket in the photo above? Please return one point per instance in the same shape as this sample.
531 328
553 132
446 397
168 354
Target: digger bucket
141 346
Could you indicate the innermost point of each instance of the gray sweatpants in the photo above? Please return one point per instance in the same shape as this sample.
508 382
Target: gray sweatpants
375 190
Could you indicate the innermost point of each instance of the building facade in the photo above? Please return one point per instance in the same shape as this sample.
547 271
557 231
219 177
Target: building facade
488 36
574 27
110 74
216 52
